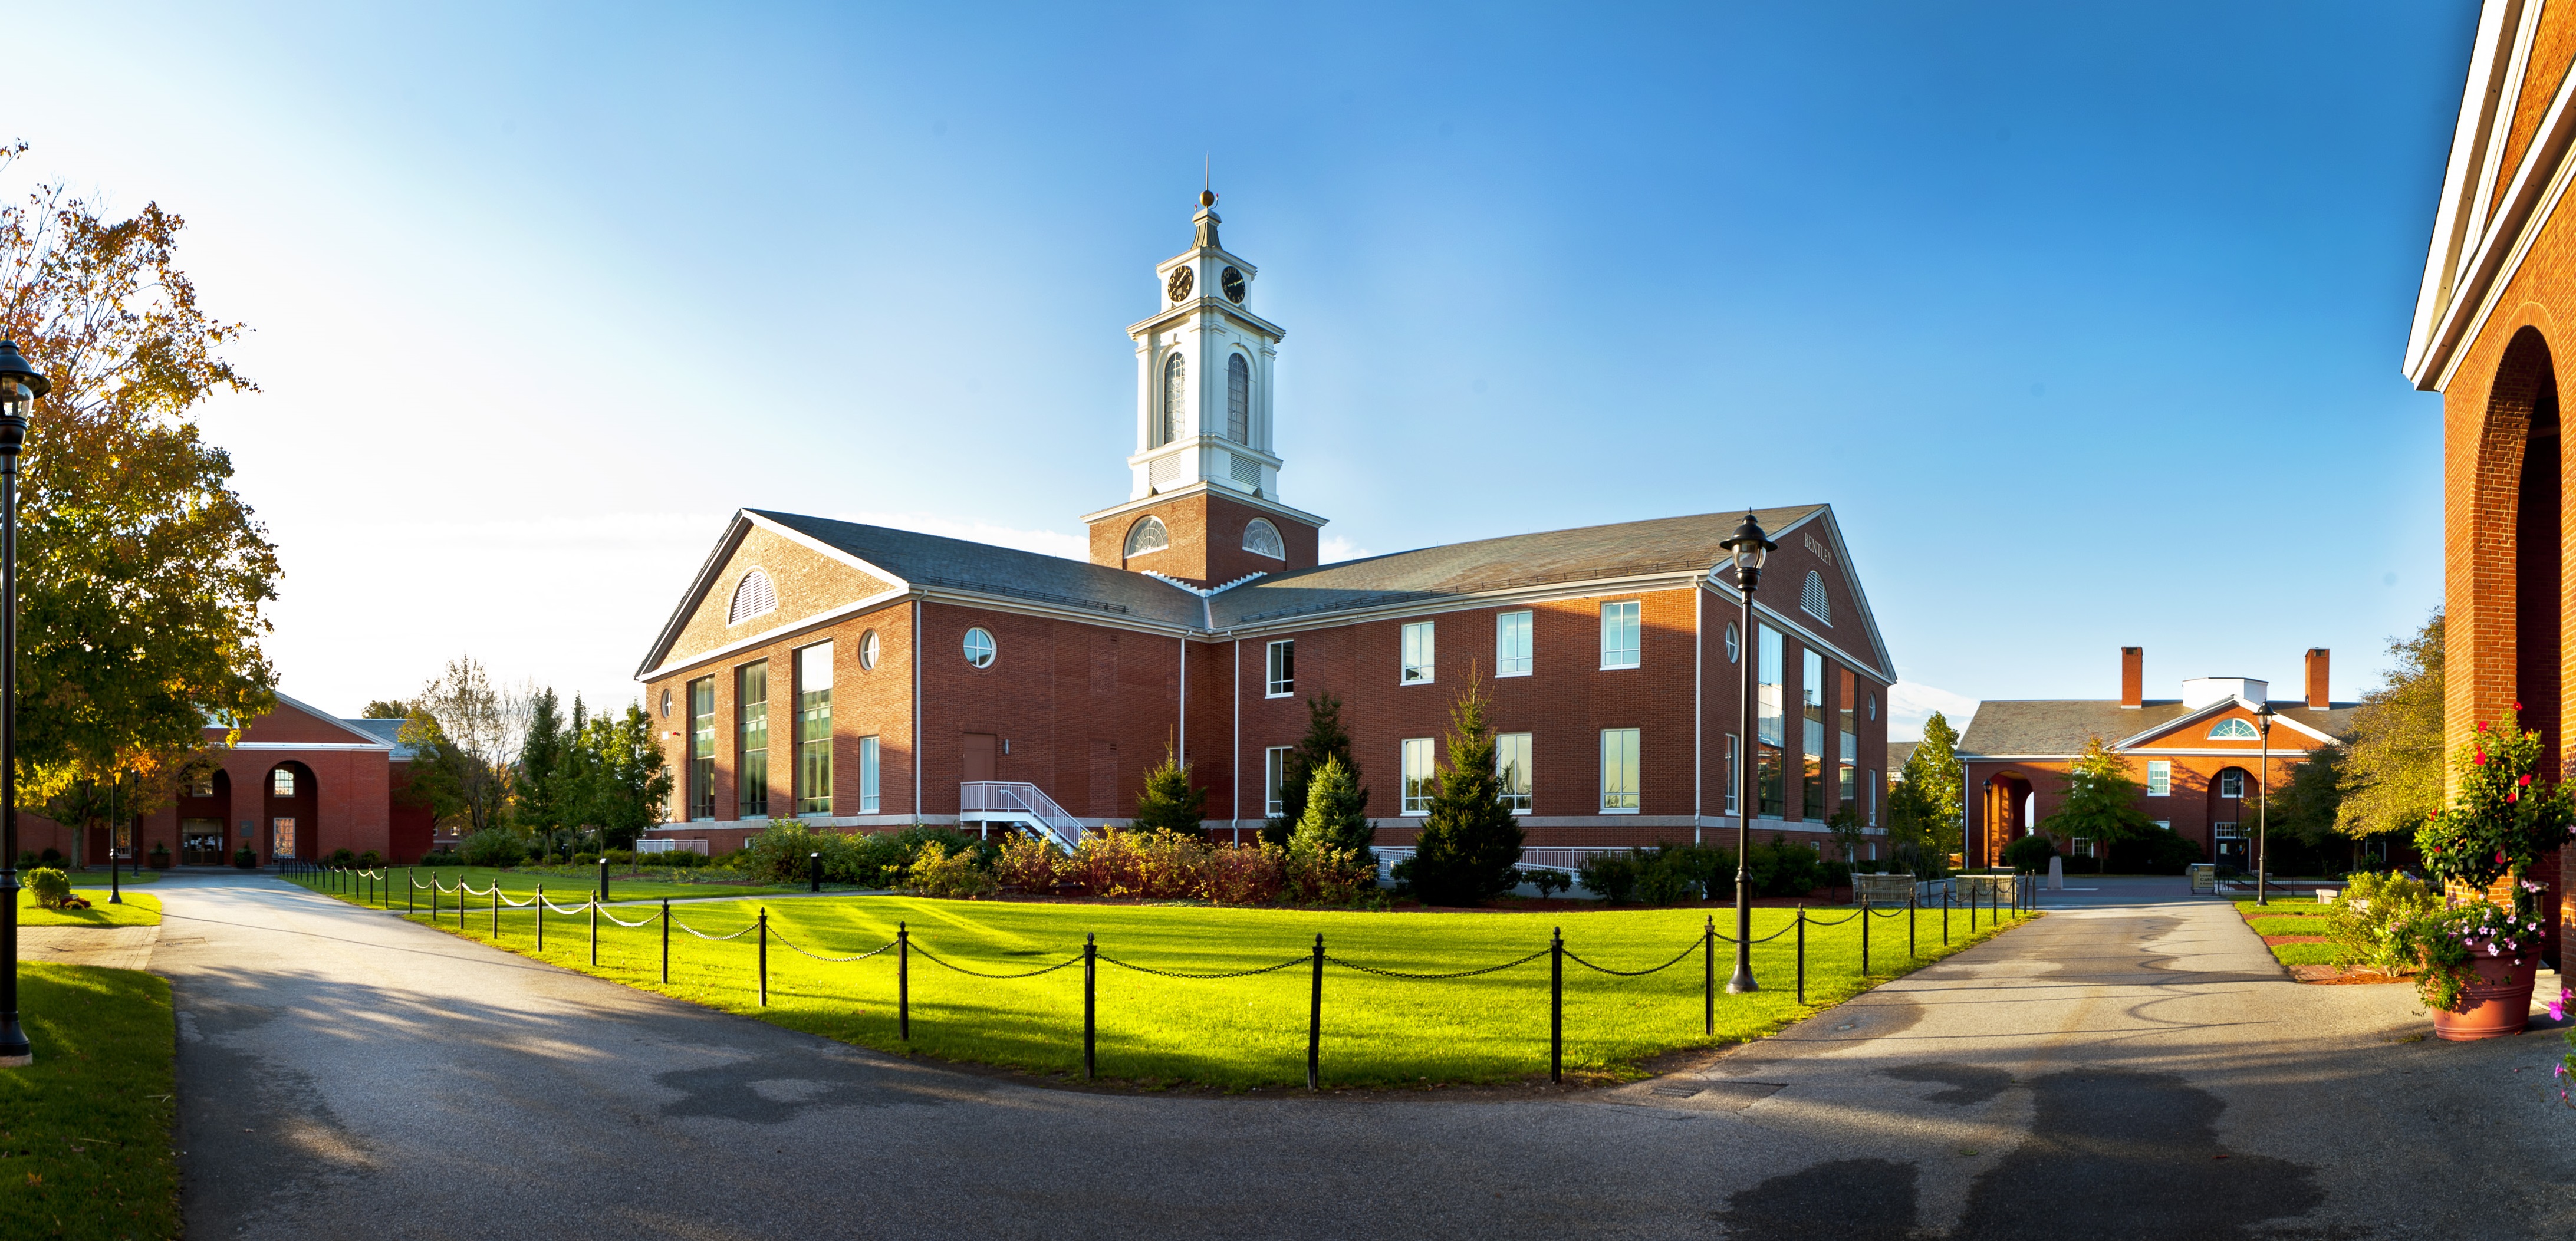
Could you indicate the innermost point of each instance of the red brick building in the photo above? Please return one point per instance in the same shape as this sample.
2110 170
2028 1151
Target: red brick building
2498 304
870 678
2201 760
298 783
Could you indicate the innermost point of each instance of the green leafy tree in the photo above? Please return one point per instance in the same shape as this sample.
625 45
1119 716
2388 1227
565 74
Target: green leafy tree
1325 740
386 709
538 786
2310 794
1335 817
1924 808
143 576
467 751
1470 846
1848 833
1169 803
615 777
2101 800
2390 778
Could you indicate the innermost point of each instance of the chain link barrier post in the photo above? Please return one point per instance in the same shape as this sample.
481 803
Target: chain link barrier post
903 982
1946 885
603 878
1802 952
1864 941
666 941
814 872
1315 1022
1708 978
411 890
1090 964
594 930
541 917
1556 1006
1910 896
764 958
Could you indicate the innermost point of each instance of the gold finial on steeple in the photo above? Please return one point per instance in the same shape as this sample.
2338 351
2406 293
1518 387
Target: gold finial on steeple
1207 181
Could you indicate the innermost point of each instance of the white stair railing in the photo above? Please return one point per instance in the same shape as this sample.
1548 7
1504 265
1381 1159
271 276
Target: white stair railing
1023 803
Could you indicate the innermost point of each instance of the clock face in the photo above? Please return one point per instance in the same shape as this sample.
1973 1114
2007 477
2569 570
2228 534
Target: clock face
1181 282
1233 282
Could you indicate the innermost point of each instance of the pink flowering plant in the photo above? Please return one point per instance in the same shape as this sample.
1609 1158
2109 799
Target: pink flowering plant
2450 941
2506 814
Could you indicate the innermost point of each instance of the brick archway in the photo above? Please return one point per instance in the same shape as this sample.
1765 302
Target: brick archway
2505 640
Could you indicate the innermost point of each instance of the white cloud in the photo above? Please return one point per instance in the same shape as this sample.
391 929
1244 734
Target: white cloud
1335 549
1911 703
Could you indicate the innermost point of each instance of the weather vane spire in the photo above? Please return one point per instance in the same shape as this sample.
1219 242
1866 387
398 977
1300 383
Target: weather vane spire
1207 181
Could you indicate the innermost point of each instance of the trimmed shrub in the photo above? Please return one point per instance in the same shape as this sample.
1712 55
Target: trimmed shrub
620 857
246 859
2030 854
494 847
51 886
370 860
937 872
442 857
585 859
1548 882
343 857
2368 921
1610 876
51 856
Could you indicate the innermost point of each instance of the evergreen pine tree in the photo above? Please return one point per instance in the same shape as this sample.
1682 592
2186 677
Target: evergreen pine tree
1470 846
1336 813
1325 739
536 793
1168 802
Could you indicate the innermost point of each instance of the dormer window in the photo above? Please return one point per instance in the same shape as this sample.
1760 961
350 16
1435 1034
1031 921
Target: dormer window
2233 730
752 596
1812 598
1262 539
1147 536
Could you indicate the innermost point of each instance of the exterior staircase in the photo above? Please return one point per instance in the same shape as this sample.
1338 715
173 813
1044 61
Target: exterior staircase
1022 804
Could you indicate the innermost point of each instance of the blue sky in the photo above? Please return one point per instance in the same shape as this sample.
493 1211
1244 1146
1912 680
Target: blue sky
2086 319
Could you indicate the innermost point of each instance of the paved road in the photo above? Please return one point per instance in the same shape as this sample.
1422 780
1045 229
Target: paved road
2112 1071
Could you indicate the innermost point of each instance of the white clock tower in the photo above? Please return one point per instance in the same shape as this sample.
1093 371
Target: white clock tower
1203 375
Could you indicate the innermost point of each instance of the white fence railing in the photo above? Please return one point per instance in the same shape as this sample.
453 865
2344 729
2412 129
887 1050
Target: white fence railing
1017 801
667 844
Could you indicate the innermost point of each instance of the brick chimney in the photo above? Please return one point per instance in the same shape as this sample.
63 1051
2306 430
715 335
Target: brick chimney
2317 678
2133 676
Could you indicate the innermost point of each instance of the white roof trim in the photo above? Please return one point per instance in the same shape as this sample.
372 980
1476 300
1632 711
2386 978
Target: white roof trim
2222 706
656 660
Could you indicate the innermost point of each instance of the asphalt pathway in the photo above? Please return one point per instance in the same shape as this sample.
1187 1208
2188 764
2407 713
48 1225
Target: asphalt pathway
2137 1070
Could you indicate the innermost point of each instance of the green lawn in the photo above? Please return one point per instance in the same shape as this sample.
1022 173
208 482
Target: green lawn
2292 916
125 876
139 909
562 888
85 1134
1235 1032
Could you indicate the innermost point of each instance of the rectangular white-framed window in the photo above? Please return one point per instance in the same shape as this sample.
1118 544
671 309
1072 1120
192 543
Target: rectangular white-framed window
1512 646
2231 782
2159 777
868 775
702 752
1873 799
1421 775
1619 771
1281 680
1417 653
2083 847
2229 831
814 729
1734 772
1619 630
1512 768
1274 781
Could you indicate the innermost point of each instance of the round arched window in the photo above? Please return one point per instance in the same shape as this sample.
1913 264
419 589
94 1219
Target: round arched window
752 596
1175 411
1238 399
1262 539
1147 536
1734 643
666 704
979 648
868 650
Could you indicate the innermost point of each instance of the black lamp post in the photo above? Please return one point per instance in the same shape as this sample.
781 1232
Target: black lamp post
115 892
2263 809
20 385
1747 549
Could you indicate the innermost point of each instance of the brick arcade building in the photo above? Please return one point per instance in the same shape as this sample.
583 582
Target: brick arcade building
298 783
868 678
2201 760
2497 307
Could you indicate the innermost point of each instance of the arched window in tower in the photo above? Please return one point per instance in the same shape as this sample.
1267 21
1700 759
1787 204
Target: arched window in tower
752 596
1174 415
1262 539
1147 536
1238 399
1813 599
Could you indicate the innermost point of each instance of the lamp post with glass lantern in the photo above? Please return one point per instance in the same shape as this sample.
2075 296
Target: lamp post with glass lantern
1747 549
20 385
2263 808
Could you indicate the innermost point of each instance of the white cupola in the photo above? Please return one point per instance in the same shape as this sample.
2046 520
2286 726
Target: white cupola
1204 364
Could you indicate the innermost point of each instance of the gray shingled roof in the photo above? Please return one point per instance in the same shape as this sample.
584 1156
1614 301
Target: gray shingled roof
1663 545
387 731
1898 752
2034 726
930 560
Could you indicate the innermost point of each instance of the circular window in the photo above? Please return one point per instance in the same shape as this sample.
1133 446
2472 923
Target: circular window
1734 642
979 648
666 704
868 649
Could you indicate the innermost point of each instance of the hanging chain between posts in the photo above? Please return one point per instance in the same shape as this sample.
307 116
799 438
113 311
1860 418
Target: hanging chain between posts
1371 969
1075 959
887 946
1300 959
1678 958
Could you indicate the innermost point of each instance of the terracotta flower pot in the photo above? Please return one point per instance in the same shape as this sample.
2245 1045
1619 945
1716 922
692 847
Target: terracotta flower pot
2495 1002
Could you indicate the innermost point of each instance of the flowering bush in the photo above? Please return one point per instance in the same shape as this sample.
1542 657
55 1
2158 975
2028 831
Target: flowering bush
2506 814
937 872
1172 866
2446 941
2368 924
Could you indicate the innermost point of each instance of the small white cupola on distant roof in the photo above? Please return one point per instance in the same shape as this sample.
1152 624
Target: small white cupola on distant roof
2208 691
1204 363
